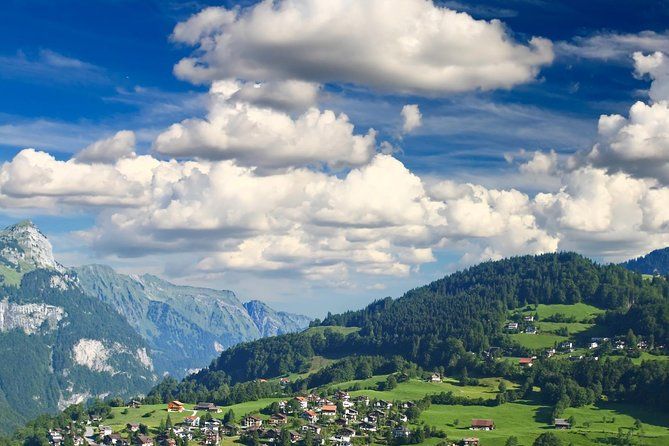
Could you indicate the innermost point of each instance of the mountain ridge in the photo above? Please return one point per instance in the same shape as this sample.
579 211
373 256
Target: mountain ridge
654 263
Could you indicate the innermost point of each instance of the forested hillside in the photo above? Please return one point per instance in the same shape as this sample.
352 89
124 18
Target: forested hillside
465 311
655 262
59 346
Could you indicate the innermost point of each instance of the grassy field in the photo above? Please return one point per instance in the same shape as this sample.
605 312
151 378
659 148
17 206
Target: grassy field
159 412
579 311
416 389
537 341
527 420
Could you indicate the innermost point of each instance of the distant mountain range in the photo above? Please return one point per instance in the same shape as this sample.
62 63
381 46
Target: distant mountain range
655 262
67 335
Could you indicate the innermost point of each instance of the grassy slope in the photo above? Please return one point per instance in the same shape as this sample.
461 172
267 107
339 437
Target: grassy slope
527 420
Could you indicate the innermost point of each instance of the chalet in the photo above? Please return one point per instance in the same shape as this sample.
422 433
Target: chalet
341 395
310 416
134 404
302 401
78 441
251 421
561 423
377 413
525 362
278 418
550 352
512 326
209 407
192 421
284 381
435 378
471 441
143 440
593 345
211 437
329 411
115 439
368 427
341 422
105 430
132 427
482 424
95 418
383 404
351 414
529 318
175 406
294 437
314 428
401 432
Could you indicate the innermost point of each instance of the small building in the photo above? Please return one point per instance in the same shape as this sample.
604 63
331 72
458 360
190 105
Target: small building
561 423
132 427
531 330
470 441
362 400
134 404
512 326
314 428
368 427
192 421
143 440
401 431
302 401
529 318
525 362
105 430
278 418
482 424
329 411
175 406
310 416
435 378
593 345
209 407
251 421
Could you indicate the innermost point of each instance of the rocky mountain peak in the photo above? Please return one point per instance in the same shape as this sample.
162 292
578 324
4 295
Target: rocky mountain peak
24 245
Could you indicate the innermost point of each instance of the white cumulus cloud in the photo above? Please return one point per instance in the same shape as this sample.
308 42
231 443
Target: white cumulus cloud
412 118
409 46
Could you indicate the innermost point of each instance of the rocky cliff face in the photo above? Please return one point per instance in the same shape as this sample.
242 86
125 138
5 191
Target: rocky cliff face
273 323
23 247
185 327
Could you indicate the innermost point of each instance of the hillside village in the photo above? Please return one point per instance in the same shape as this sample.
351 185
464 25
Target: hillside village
337 419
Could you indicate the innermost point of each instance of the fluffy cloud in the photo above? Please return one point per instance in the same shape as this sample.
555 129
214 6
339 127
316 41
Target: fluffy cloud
638 144
412 118
541 163
259 136
121 145
399 45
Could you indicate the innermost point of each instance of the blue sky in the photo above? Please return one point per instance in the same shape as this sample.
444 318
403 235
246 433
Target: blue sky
74 72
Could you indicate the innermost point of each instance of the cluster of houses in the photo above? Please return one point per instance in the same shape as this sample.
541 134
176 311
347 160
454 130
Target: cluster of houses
337 419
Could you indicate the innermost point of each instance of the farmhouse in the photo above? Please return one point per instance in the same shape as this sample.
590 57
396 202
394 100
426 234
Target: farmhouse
482 424
561 423
471 441
209 407
435 378
175 406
